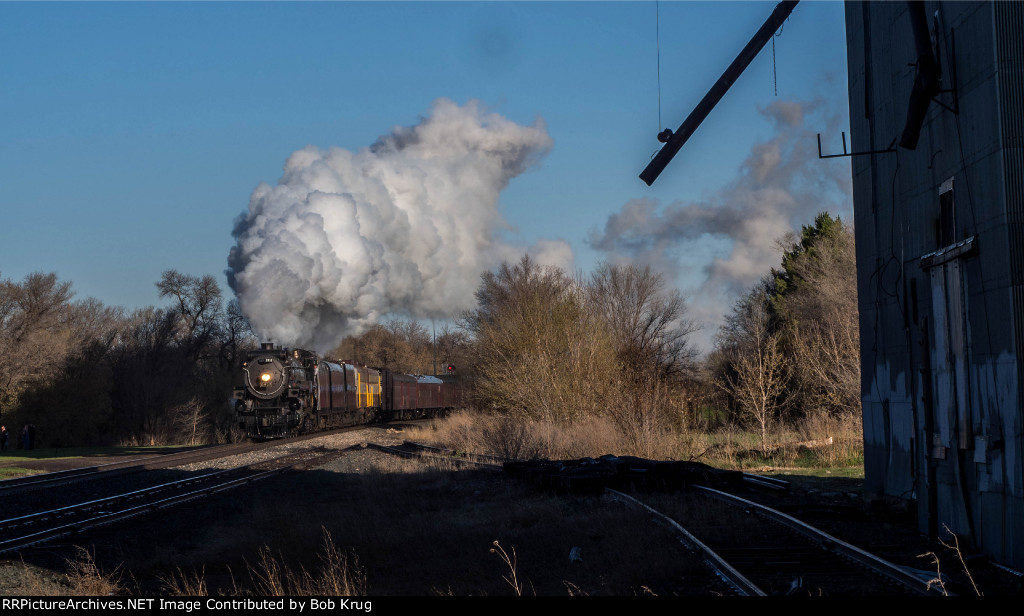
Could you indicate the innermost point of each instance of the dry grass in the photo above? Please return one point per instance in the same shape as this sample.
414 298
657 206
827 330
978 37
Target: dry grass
510 561
954 547
728 447
85 576
338 575
509 438
180 584
25 579
82 578
498 435
847 432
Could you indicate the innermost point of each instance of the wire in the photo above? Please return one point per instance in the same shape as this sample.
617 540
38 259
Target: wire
775 74
657 44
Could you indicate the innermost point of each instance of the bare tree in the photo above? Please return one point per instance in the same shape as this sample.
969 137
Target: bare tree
380 347
514 290
402 346
646 319
190 418
760 375
148 373
541 353
92 322
87 373
34 337
453 348
237 335
198 309
56 372
821 319
407 346
414 338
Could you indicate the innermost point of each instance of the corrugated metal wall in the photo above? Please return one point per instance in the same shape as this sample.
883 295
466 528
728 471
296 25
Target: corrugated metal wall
1007 512
941 335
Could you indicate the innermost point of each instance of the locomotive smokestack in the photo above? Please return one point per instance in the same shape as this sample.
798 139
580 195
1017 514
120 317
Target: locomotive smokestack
267 346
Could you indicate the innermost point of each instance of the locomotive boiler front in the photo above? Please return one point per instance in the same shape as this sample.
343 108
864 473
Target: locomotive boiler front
275 396
265 377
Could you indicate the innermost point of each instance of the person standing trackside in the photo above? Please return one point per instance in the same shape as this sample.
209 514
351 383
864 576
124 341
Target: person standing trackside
3 438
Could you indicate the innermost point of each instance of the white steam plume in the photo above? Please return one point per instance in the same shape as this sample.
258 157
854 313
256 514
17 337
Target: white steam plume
404 226
780 186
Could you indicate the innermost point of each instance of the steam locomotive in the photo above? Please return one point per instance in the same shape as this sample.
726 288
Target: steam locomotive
292 391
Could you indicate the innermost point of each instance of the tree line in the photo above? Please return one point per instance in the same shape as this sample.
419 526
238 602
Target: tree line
540 345
790 347
549 346
543 345
88 374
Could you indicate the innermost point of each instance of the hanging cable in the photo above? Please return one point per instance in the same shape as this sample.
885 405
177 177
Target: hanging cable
775 75
657 45
663 135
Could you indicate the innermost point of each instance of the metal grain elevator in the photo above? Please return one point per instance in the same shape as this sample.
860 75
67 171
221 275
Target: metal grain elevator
937 127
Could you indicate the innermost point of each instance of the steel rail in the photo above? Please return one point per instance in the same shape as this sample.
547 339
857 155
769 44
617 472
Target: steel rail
70 473
766 482
113 469
109 518
900 575
736 580
70 510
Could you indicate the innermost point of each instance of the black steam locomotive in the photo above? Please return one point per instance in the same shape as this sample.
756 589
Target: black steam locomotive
292 391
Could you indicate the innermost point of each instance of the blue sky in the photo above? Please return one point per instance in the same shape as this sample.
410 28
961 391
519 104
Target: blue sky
134 133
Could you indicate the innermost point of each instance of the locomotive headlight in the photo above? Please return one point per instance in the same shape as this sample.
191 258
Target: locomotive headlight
265 377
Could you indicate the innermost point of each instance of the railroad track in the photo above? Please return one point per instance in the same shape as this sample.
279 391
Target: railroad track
762 551
29 483
44 526
890 573
40 508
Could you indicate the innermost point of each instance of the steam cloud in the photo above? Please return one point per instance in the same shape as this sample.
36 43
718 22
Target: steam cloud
781 186
404 226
